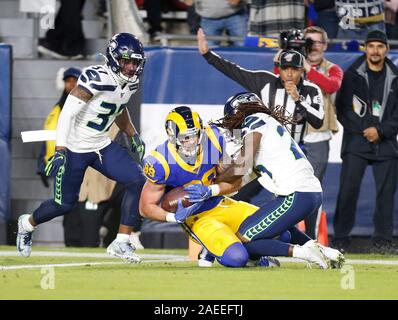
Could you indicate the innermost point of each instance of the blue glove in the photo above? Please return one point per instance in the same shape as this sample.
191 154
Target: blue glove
138 145
183 213
55 163
198 192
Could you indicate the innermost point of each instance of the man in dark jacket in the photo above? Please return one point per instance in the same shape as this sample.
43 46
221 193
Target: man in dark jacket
367 108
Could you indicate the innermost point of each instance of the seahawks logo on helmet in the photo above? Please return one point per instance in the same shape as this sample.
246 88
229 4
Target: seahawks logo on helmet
238 99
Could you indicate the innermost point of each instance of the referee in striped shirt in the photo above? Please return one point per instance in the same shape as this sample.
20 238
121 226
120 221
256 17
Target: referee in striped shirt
300 98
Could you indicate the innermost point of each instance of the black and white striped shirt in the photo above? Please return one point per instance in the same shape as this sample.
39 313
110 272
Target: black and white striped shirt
268 86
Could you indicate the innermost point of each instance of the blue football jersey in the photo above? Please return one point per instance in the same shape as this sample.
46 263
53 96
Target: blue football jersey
165 166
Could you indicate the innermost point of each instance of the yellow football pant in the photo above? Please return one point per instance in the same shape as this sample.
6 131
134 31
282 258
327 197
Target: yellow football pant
216 228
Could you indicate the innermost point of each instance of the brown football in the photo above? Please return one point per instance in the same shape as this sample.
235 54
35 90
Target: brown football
170 199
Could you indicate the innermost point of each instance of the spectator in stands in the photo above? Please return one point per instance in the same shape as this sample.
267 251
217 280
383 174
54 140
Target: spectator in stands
154 16
358 17
271 17
391 18
327 17
218 16
66 40
367 107
328 77
193 18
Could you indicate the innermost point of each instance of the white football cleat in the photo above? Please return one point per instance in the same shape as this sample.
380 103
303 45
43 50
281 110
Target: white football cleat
205 259
123 250
336 258
313 254
24 238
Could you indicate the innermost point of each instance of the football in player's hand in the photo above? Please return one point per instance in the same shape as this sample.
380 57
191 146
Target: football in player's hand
170 199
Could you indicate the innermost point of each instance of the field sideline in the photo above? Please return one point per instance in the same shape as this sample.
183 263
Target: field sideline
76 273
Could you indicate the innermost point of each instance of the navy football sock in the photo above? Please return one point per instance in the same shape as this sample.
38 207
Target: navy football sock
267 247
298 237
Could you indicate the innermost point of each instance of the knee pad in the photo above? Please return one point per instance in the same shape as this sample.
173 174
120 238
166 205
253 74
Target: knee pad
234 256
285 237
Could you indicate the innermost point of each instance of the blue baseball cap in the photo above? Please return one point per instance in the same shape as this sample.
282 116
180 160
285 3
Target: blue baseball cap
72 72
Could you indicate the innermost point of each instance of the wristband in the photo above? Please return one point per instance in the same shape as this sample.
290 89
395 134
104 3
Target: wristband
215 189
171 217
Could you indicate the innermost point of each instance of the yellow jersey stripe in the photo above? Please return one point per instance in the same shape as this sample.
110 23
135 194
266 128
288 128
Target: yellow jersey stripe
182 163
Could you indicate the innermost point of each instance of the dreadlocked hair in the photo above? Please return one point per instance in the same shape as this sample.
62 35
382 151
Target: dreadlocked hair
235 120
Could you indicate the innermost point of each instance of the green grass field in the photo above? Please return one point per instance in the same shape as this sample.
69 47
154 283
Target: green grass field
167 274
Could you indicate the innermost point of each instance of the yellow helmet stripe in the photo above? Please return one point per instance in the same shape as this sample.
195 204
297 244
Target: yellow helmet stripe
213 138
158 156
178 120
196 120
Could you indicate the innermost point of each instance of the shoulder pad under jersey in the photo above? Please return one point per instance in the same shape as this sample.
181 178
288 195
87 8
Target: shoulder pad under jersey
95 79
156 168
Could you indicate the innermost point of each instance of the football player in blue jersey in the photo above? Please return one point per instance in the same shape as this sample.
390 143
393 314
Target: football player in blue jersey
283 170
191 157
98 100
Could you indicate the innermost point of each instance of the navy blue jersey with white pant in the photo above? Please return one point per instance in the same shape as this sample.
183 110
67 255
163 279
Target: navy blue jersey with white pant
112 161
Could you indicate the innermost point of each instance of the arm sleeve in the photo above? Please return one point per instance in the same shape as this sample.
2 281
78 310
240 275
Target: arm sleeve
252 81
312 107
328 83
72 107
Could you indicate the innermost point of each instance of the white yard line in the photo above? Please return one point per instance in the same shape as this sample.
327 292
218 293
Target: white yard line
88 264
147 258
84 254
349 261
